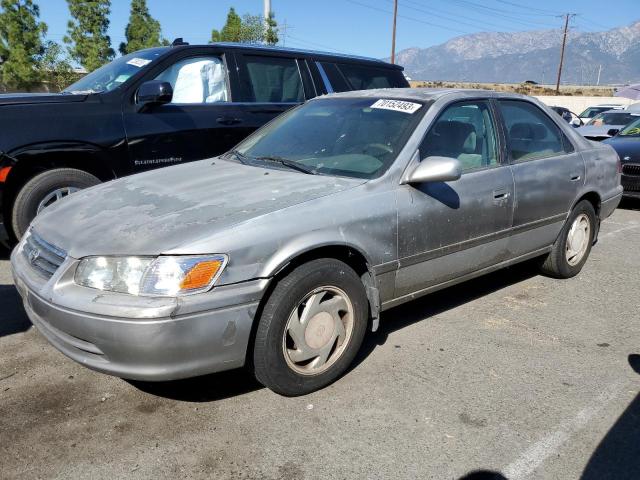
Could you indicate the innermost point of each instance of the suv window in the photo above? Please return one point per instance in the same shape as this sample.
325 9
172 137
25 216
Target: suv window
530 132
363 77
273 80
465 131
335 77
197 80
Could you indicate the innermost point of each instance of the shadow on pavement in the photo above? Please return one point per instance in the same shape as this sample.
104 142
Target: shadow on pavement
483 475
441 301
208 388
13 318
618 455
630 203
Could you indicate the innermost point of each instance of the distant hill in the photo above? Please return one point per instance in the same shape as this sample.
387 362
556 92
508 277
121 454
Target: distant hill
516 57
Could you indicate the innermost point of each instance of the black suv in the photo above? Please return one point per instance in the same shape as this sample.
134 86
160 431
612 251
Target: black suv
154 108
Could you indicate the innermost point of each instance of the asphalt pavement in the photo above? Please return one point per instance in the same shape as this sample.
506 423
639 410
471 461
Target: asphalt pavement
513 373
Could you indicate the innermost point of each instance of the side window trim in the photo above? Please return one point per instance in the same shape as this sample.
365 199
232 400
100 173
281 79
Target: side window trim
563 138
496 129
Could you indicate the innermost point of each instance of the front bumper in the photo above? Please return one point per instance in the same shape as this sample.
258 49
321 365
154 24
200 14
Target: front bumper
153 343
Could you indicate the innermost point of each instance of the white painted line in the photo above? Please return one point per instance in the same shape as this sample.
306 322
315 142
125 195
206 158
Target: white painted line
547 446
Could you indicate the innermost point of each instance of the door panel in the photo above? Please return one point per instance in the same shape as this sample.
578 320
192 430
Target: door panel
547 173
199 123
545 192
450 229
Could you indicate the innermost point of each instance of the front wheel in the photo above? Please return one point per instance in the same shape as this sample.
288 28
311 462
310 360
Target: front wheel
43 190
573 245
311 327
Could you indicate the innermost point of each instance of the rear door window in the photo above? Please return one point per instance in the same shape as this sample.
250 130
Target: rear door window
530 132
362 77
271 80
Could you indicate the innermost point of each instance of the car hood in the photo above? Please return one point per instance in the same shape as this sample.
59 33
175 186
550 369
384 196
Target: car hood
597 131
162 210
32 98
627 148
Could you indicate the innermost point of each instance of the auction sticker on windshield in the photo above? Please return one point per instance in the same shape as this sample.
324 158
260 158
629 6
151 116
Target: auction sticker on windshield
139 62
397 105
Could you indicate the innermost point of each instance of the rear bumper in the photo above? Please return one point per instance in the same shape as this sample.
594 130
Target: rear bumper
608 206
166 347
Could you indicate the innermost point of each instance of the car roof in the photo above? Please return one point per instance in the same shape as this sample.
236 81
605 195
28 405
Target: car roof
617 110
296 51
426 94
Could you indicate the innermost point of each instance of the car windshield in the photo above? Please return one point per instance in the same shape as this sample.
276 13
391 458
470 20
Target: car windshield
114 74
592 112
352 137
611 118
631 130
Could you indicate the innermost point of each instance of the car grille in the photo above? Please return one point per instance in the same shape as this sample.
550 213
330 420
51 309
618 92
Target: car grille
42 256
631 169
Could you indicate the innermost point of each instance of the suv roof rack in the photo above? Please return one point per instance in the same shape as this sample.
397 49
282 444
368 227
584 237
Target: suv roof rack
178 42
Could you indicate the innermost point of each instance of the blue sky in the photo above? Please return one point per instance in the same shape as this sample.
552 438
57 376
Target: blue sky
362 26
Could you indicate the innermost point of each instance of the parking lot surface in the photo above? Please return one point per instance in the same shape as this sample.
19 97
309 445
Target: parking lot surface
513 372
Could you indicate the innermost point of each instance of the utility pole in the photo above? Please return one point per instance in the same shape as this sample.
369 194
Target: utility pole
599 72
564 42
267 12
393 35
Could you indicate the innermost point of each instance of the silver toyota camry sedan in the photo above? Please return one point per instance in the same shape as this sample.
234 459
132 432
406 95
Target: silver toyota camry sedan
282 253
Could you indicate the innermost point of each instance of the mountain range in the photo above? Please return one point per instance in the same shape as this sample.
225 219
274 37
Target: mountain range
534 55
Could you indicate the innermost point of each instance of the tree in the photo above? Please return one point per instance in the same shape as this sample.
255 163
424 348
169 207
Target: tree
21 41
271 34
248 29
87 33
231 32
55 67
143 31
252 29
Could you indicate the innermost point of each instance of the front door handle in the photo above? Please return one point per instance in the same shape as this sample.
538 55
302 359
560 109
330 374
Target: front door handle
228 120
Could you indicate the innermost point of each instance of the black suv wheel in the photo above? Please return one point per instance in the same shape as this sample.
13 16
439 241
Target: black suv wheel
43 190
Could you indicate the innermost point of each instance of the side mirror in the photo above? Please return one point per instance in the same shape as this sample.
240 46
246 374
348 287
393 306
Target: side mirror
613 132
576 122
154 92
435 169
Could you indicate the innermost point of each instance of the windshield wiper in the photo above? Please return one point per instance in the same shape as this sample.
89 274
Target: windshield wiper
288 163
242 158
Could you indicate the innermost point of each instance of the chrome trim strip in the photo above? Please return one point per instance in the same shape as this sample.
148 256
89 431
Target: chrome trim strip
325 79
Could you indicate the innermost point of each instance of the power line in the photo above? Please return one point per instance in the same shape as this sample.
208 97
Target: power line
480 24
410 18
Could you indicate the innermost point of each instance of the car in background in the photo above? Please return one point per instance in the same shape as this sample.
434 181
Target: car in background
591 112
158 107
607 124
568 116
282 253
627 144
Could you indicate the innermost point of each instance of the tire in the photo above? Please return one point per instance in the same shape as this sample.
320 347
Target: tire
25 206
308 293
561 261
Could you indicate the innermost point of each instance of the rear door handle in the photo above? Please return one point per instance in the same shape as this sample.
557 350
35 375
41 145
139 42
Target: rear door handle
228 120
575 177
501 194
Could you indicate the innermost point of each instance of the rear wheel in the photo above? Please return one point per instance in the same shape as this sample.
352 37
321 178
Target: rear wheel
311 327
42 191
573 245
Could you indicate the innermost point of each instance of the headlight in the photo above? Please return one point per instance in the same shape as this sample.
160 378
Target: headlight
161 276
